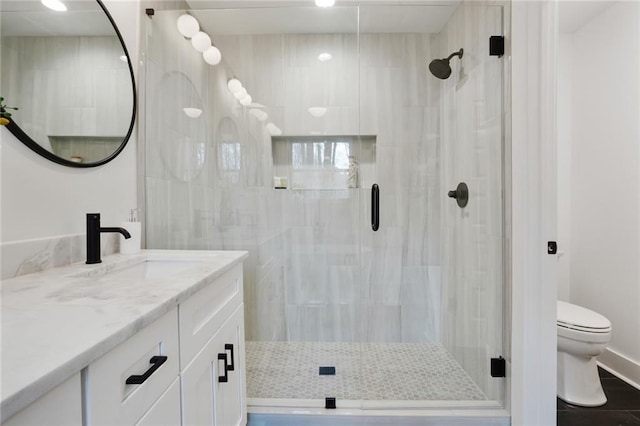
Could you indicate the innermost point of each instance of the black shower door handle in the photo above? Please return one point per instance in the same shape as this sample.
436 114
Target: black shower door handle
375 207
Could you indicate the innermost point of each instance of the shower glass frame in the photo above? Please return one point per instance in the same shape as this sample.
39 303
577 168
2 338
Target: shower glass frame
222 204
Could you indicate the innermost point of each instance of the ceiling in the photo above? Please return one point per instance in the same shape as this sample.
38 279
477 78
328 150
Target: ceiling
573 14
31 18
302 17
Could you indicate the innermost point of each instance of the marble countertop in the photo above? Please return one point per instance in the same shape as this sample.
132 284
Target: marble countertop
57 322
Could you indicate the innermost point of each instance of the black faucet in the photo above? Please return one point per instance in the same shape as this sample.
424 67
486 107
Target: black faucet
93 237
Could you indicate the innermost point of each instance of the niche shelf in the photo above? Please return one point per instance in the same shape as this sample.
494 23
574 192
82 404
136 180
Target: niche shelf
322 162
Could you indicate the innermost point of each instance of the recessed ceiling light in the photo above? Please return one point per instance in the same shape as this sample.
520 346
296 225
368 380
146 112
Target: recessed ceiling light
240 93
212 55
246 101
317 112
201 41
234 85
192 112
325 3
56 5
259 114
273 129
188 25
324 57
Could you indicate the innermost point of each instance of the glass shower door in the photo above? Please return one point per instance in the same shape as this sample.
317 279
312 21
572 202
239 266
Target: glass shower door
301 68
472 153
408 314
432 272
320 106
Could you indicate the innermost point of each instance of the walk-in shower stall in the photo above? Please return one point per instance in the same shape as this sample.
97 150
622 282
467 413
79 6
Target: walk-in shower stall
340 175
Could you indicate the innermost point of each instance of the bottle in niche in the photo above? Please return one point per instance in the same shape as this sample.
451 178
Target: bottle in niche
352 174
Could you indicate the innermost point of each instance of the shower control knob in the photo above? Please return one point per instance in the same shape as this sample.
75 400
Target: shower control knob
461 194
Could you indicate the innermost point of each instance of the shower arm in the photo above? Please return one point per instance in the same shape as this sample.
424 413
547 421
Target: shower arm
459 53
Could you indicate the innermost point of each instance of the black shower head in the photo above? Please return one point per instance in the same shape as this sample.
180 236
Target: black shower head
441 68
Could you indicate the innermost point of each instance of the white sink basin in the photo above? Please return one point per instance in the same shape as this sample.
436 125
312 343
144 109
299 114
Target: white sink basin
143 269
153 269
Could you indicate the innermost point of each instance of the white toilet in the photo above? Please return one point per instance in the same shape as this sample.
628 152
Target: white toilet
582 336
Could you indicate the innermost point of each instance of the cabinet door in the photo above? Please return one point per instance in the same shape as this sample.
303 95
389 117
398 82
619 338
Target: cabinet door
207 399
232 398
203 314
166 410
62 406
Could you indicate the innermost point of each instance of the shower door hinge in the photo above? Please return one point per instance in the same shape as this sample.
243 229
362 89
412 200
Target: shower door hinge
150 12
496 46
498 367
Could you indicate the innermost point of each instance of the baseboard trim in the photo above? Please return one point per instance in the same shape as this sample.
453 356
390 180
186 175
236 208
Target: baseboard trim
620 366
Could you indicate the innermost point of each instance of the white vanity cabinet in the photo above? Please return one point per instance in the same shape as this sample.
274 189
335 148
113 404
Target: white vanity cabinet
164 412
212 354
201 380
138 340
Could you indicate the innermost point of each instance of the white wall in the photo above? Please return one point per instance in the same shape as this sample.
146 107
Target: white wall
604 170
41 200
532 364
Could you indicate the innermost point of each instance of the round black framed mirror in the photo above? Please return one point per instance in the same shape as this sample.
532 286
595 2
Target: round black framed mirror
70 76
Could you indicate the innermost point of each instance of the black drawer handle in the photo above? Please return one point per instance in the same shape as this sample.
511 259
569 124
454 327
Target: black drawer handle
229 347
156 362
224 378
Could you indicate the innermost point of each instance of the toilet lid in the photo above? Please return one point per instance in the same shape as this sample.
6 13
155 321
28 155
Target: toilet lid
579 318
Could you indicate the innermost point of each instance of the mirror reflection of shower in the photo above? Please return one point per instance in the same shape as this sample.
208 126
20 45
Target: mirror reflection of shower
441 68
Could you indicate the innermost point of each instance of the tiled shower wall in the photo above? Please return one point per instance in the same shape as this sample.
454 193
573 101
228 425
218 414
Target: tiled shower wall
316 271
339 281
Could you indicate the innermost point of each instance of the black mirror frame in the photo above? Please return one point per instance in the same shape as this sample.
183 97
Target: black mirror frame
34 146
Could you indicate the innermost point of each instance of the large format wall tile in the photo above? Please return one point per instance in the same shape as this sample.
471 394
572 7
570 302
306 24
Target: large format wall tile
89 87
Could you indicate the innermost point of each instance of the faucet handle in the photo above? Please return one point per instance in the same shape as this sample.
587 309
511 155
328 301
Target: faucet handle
93 238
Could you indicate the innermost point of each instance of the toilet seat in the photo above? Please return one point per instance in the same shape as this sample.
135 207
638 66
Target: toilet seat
581 319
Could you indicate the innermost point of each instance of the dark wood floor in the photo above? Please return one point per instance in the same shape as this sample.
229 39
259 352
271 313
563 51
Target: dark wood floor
622 407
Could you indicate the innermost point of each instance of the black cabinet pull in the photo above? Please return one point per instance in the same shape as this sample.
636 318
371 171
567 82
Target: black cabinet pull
375 207
229 347
156 362
224 378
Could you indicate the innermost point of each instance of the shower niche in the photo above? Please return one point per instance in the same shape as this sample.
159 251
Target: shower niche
338 162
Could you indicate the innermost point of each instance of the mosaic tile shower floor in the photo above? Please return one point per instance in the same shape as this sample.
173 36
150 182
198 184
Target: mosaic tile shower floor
364 371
